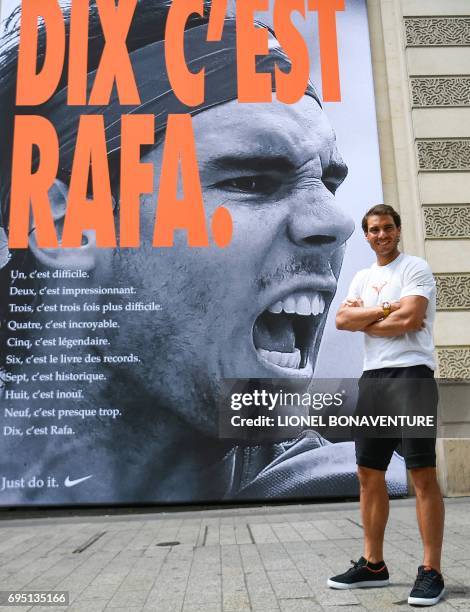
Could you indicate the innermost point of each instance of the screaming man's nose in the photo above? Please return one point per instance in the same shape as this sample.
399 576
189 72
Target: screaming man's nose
326 228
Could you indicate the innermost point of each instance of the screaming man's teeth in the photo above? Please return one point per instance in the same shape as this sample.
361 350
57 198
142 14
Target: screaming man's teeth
285 360
288 304
276 308
305 304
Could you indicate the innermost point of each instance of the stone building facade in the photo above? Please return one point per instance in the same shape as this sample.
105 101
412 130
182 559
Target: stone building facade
421 61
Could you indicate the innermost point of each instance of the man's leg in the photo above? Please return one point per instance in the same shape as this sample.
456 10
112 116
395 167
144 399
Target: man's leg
372 457
374 511
370 570
430 514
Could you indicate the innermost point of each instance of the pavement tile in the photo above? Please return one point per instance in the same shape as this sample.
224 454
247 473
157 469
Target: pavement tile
292 590
347 608
333 597
125 609
300 605
456 573
263 533
36 608
211 607
122 599
286 533
381 599
219 568
457 604
264 602
97 591
308 531
234 601
163 606
95 605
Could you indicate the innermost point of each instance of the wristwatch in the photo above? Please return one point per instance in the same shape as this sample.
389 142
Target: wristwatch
387 309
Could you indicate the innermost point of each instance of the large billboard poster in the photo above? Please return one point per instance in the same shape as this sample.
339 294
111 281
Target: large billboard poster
180 184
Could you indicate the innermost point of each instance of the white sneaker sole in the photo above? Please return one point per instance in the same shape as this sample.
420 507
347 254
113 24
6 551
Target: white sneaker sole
365 584
420 601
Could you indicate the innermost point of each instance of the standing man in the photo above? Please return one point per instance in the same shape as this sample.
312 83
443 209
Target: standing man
394 303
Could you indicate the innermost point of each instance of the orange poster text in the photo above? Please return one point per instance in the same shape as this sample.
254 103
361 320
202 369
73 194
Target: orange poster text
115 69
94 211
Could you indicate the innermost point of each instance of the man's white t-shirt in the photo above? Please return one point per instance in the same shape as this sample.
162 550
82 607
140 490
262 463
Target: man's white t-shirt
404 276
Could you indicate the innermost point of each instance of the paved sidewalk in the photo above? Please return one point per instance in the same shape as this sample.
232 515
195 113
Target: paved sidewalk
262 558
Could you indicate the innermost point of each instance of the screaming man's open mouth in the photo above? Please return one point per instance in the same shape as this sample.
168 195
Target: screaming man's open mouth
284 333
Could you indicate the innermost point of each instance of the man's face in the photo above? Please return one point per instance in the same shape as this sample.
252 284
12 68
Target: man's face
258 307
382 235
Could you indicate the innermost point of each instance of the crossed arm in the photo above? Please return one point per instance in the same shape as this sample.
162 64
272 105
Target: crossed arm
407 315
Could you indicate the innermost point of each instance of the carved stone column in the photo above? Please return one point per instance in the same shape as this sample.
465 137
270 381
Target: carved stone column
421 60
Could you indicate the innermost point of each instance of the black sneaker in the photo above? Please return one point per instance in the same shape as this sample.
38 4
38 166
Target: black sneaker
428 587
361 575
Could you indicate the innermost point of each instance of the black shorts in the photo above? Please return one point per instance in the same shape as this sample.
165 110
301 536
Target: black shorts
410 389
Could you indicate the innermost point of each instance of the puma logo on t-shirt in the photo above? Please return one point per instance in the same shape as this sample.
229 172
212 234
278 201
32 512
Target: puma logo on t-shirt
379 288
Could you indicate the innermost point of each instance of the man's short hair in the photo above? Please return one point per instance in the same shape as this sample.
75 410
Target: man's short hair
381 209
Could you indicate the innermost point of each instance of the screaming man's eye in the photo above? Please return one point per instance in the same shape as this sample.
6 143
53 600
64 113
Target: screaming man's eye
258 184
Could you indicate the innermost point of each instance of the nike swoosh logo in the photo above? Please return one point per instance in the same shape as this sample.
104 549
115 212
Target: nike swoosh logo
72 483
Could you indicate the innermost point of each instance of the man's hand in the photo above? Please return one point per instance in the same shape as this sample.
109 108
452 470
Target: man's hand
356 303
354 316
408 317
